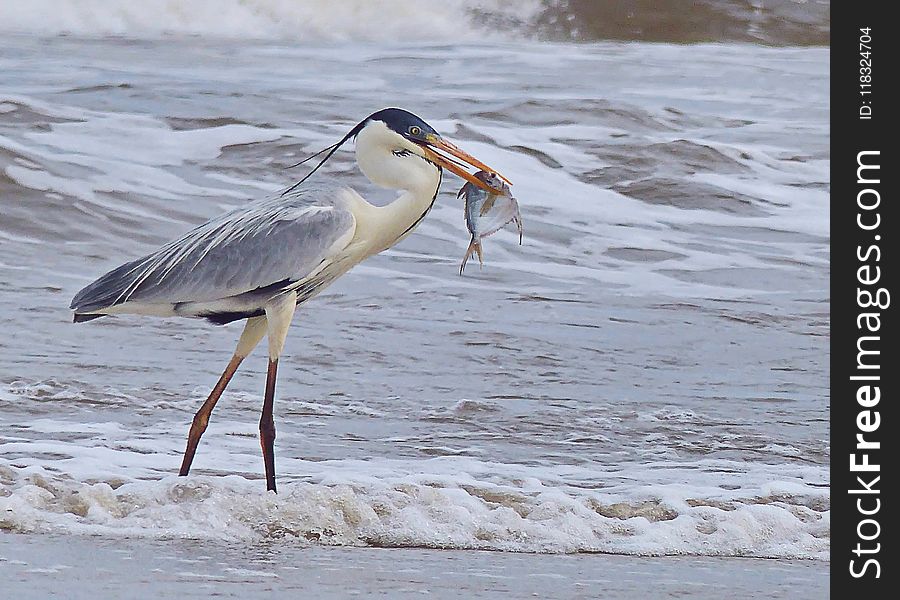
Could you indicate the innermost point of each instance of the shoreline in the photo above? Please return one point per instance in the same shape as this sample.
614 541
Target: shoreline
41 565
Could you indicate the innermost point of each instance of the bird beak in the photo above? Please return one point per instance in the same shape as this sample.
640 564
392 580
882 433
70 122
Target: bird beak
434 142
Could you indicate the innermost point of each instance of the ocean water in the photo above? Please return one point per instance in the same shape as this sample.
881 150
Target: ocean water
645 376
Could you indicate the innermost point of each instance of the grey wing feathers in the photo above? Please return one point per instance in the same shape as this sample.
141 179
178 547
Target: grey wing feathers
279 240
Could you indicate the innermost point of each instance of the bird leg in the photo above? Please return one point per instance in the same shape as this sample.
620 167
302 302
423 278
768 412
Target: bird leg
279 313
252 334
201 419
267 426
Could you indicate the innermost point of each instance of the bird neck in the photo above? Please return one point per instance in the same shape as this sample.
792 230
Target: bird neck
396 220
388 160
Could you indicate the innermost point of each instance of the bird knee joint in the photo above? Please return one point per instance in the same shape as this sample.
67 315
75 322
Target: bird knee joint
200 422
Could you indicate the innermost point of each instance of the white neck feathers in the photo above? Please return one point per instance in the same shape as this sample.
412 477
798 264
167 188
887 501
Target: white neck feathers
390 160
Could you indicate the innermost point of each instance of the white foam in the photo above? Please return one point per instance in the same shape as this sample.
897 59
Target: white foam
122 153
439 503
108 478
92 476
385 20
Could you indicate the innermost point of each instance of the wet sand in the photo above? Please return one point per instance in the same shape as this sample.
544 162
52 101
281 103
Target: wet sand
78 567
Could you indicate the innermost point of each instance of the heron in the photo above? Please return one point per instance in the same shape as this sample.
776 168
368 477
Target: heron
260 261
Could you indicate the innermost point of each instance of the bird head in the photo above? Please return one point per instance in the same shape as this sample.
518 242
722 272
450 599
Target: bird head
407 133
397 149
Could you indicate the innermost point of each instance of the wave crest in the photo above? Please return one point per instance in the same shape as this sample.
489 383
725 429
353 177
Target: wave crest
775 22
465 515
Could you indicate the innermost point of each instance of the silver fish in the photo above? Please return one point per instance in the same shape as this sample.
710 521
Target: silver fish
487 213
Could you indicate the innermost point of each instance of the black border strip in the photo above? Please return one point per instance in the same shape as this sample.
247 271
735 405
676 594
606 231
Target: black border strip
863 225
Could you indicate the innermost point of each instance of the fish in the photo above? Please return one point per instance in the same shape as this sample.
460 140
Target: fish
487 213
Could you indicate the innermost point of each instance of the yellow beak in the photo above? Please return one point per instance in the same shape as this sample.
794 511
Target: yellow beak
434 142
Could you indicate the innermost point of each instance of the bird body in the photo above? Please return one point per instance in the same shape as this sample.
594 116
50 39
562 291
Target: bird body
302 240
261 260
232 264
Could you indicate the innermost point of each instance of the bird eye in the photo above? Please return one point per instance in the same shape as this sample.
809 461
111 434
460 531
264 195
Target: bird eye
415 130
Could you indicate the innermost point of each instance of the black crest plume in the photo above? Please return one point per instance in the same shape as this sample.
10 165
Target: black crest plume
396 119
330 151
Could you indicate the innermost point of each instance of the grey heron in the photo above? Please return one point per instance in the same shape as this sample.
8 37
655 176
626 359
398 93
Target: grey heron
260 261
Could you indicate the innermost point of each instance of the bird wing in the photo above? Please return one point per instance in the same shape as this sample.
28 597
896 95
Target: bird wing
275 242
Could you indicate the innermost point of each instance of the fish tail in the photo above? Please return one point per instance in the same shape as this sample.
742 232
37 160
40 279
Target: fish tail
473 246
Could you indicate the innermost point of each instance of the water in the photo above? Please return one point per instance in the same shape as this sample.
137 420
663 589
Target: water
129 568
646 375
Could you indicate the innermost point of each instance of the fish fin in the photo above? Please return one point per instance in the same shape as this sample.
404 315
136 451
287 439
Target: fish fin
488 204
480 257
